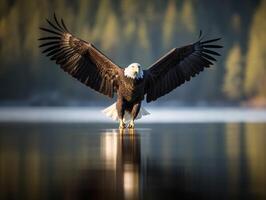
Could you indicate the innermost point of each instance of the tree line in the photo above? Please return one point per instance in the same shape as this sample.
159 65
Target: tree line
136 31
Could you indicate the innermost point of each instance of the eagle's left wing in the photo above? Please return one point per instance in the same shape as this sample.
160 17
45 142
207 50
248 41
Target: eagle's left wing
81 59
178 66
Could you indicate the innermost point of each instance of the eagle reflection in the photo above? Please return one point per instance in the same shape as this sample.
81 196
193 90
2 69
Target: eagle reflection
118 176
121 153
130 160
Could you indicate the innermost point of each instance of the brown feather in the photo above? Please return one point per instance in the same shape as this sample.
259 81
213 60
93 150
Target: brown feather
178 66
80 59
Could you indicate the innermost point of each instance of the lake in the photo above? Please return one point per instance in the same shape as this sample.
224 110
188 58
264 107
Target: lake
155 161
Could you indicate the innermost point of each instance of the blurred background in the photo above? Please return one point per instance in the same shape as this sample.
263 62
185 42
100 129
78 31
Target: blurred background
135 31
205 140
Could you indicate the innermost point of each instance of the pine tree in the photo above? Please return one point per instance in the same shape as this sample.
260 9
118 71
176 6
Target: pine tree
142 49
101 17
255 73
170 24
233 81
12 36
111 34
187 16
83 25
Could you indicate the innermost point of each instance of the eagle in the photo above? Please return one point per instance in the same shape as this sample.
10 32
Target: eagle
131 84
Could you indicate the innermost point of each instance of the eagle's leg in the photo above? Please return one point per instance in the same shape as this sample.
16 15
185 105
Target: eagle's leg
121 112
122 124
134 114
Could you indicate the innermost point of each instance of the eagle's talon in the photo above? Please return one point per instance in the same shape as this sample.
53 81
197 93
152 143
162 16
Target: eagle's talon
131 125
122 125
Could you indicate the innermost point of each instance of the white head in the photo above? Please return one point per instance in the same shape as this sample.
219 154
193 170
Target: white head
134 71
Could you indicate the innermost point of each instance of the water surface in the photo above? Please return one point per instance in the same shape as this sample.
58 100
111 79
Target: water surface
156 161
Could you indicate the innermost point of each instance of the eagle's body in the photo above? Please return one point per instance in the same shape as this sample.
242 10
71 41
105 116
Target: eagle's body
130 93
132 89
131 84
130 96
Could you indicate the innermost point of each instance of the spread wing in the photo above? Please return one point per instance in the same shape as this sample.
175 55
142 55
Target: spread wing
80 59
178 66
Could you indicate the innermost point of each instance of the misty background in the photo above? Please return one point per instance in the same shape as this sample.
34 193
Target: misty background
135 31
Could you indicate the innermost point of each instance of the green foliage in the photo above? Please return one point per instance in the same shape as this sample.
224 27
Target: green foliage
170 24
187 16
256 57
233 81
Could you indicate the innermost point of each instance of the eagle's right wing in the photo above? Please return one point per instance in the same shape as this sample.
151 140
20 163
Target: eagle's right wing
178 66
81 59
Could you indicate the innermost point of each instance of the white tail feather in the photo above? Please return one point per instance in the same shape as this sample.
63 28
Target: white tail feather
111 112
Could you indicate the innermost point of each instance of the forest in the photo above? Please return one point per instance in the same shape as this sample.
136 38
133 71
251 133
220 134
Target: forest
135 31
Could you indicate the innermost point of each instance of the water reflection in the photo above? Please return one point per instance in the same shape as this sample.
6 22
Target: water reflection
121 153
169 161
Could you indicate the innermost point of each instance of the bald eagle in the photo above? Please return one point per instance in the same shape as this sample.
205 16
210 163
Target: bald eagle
132 84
